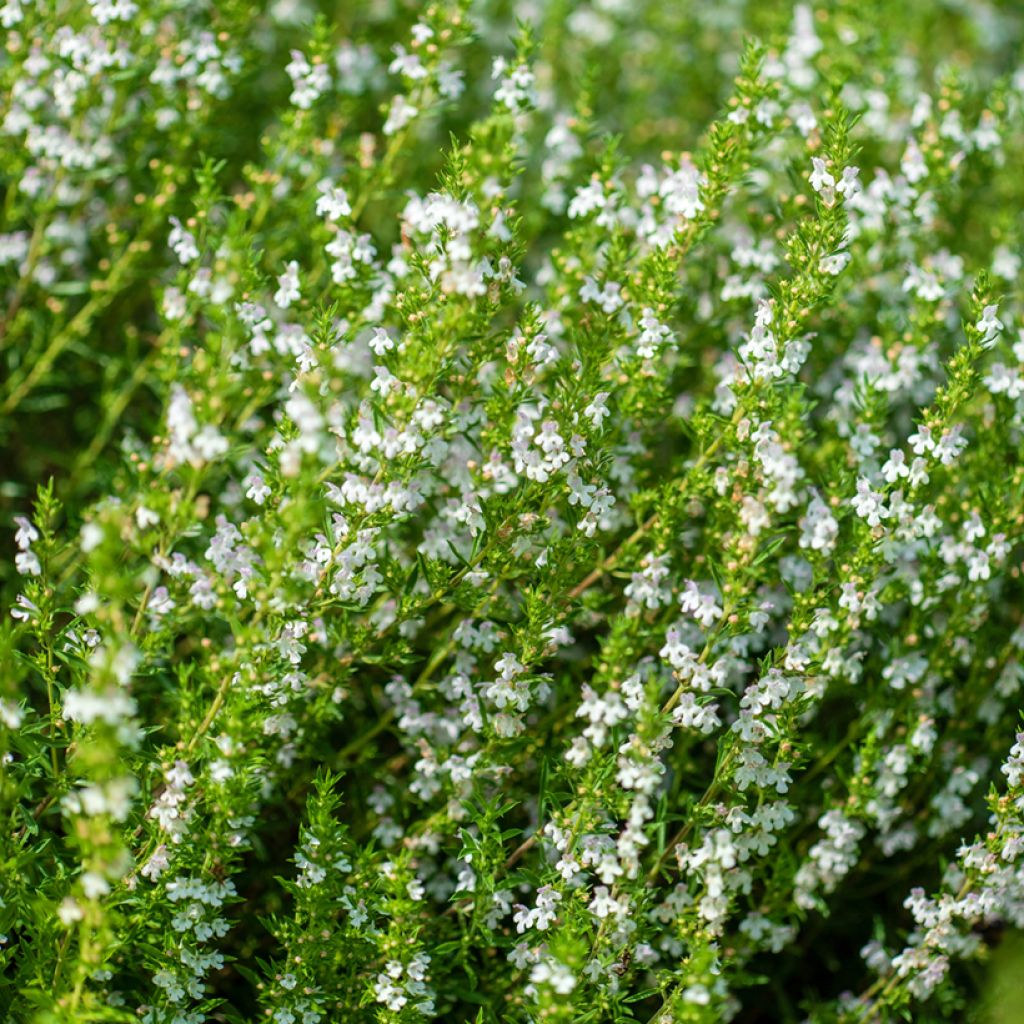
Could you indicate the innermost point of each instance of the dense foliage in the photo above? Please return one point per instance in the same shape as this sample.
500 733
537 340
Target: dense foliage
512 512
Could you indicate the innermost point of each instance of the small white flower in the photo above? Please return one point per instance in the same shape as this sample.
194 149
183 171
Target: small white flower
27 563
820 177
288 285
989 326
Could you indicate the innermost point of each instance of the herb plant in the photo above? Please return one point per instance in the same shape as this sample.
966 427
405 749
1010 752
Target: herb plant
515 510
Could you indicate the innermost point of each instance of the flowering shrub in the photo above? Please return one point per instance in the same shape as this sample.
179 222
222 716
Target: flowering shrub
511 523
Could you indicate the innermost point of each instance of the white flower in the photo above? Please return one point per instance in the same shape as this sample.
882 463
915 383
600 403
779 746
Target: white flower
257 491
69 911
849 185
869 504
27 563
288 285
834 264
400 114
333 201
381 341
820 177
26 534
989 326
597 410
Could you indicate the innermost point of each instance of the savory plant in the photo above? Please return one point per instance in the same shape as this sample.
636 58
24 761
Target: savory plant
510 521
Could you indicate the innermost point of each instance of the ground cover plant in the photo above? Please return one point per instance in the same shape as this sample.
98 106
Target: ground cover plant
512 512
